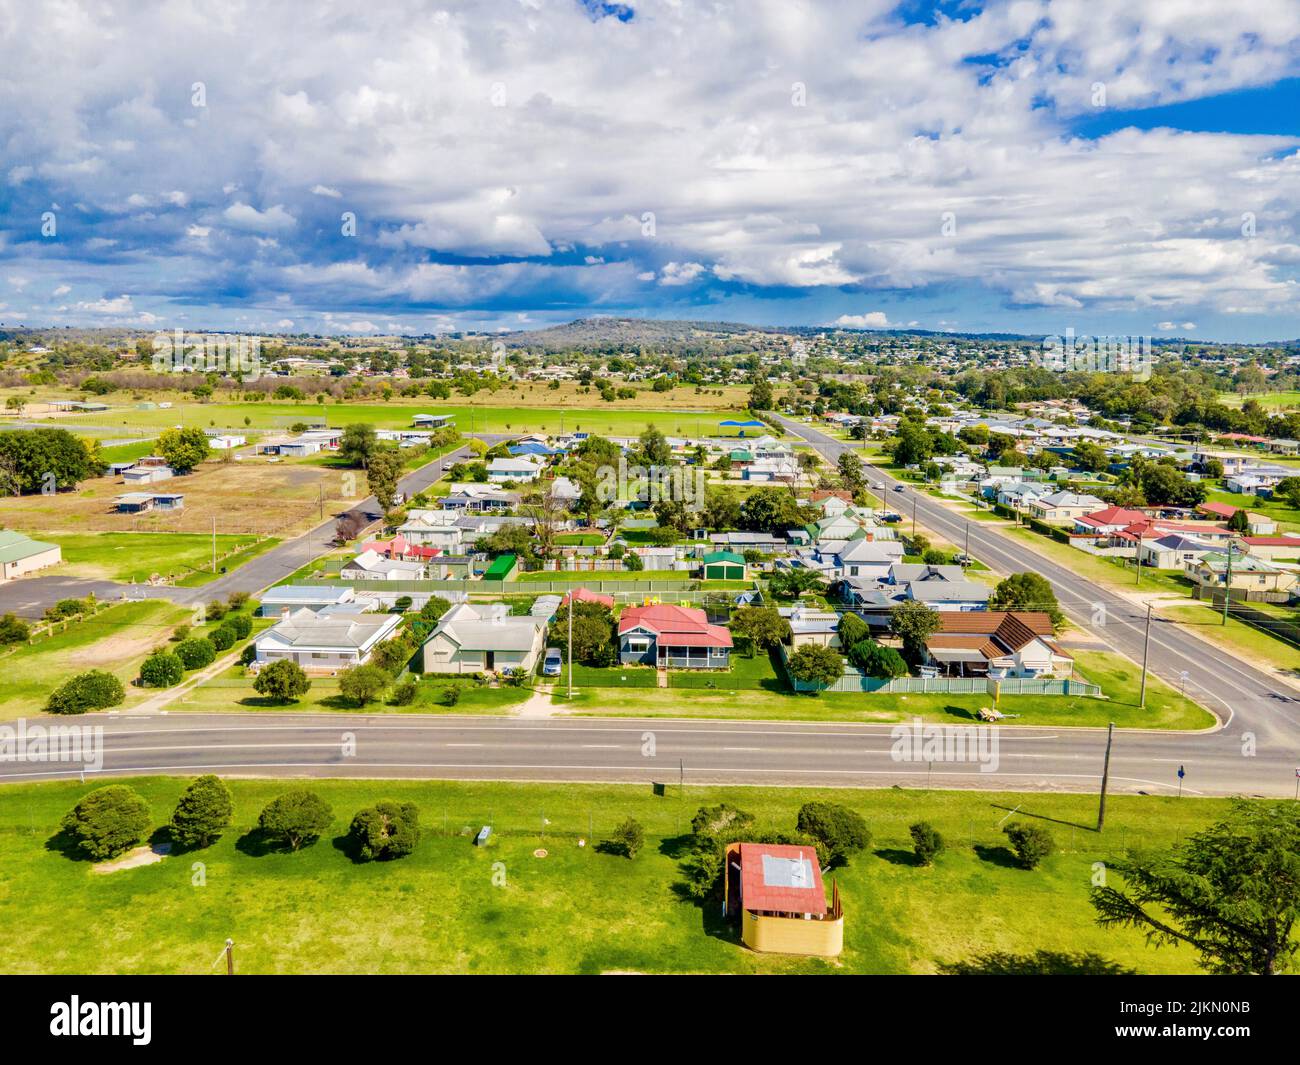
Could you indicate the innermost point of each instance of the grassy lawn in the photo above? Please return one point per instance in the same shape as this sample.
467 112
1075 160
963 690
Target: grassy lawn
451 907
1278 400
233 691
116 639
127 452
580 539
746 674
124 556
1287 518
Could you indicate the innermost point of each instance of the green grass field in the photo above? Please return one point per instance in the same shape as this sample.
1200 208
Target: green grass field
1274 400
453 908
475 417
129 556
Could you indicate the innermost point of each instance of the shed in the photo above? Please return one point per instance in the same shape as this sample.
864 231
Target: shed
724 566
501 569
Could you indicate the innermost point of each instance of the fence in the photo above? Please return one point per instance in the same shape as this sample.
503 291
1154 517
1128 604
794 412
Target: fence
1270 624
682 589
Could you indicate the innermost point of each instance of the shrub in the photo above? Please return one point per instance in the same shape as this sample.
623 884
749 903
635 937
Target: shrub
203 812
216 610
451 695
237 600
241 624
161 669
385 831
628 838
876 660
196 652
248 655
841 830
295 818
362 684
222 638
108 821
1031 843
925 841
282 680
434 608
817 665
14 630
92 690
179 633
64 608
402 604
403 694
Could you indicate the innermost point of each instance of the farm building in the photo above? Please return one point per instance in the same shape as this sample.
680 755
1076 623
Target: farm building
140 502
724 566
20 554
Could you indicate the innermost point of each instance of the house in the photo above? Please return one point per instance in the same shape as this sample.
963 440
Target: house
400 548
586 595
435 535
324 643
1249 574
1017 494
677 637
949 594
768 543
777 892
1062 506
811 626
723 566
997 643
297 596
20 554
139 502
140 474
1109 520
483 638
513 469
1286 546
474 498
1173 551
868 558
372 566
226 441
564 490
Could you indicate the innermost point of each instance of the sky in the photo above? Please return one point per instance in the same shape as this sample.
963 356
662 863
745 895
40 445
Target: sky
1119 167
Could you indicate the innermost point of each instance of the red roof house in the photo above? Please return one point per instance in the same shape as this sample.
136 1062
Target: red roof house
676 637
586 595
778 893
1109 520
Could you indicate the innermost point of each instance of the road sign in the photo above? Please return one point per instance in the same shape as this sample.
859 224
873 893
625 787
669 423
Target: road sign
1182 772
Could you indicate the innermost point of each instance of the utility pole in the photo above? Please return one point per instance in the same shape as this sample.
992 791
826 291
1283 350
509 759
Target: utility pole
966 551
1146 649
214 543
230 957
571 597
1227 584
913 514
1105 778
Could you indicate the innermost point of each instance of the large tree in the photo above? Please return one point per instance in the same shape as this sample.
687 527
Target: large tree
383 473
282 680
295 818
107 821
44 460
184 449
358 444
762 624
202 813
913 622
817 665
1027 591
1231 891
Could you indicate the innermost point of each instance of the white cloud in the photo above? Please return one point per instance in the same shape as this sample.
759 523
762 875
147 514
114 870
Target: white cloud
243 216
325 190
680 273
870 320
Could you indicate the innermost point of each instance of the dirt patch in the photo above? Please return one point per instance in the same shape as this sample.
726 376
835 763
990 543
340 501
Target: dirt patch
138 856
115 650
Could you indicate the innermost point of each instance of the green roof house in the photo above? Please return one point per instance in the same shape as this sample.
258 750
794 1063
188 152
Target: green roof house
20 554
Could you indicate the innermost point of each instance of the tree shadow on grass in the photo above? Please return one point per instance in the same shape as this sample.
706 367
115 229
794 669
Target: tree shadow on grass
676 847
1039 963
1002 856
960 711
1043 817
897 856
65 843
257 844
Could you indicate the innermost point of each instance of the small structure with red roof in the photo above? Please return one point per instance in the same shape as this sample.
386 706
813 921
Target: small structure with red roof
586 595
777 891
672 637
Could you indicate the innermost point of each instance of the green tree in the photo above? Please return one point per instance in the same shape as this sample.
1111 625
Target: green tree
434 608
876 660
771 510
282 680
926 842
852 629
383 473
295 818
184 449
792 583
1288 490
107 821
1231 892
817 665
1239 521
653 448
1030 842
385 831
13 630
357 444
1029 592
362 684
761 396
202 813
93 690
913 622
43 460
196 652
162 669
842 831
762 624
850 468
593 633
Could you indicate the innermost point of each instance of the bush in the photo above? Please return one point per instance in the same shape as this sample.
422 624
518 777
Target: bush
13 630
179 633
385 831
841 830
926 842
628 838
237 600
876 660
434 608
1031 843
203 812
402 604
241 624
161 669
64 608
248 655
108 821
817 665
282 680
362 684
196 652
451 695
222 638
295 818
403 694
216 610
92 690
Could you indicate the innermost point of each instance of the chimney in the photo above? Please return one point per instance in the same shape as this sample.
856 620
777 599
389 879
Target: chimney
284 613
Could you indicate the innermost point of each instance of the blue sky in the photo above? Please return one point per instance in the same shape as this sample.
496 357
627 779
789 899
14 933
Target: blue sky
1115 166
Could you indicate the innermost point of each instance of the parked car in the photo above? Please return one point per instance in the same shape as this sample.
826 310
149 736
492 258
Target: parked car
877 486
898 488
552 663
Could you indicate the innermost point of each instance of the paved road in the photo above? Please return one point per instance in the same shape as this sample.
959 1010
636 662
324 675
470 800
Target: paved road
706 752
1248 698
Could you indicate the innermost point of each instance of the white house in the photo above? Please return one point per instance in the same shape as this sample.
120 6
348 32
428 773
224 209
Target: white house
483 638
325 644
512 469
372 566
1063 506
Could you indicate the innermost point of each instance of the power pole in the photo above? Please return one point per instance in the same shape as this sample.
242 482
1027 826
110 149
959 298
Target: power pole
1227 585
214 543
966 552
914 514
1105 778
571 599
230 957
1146 649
